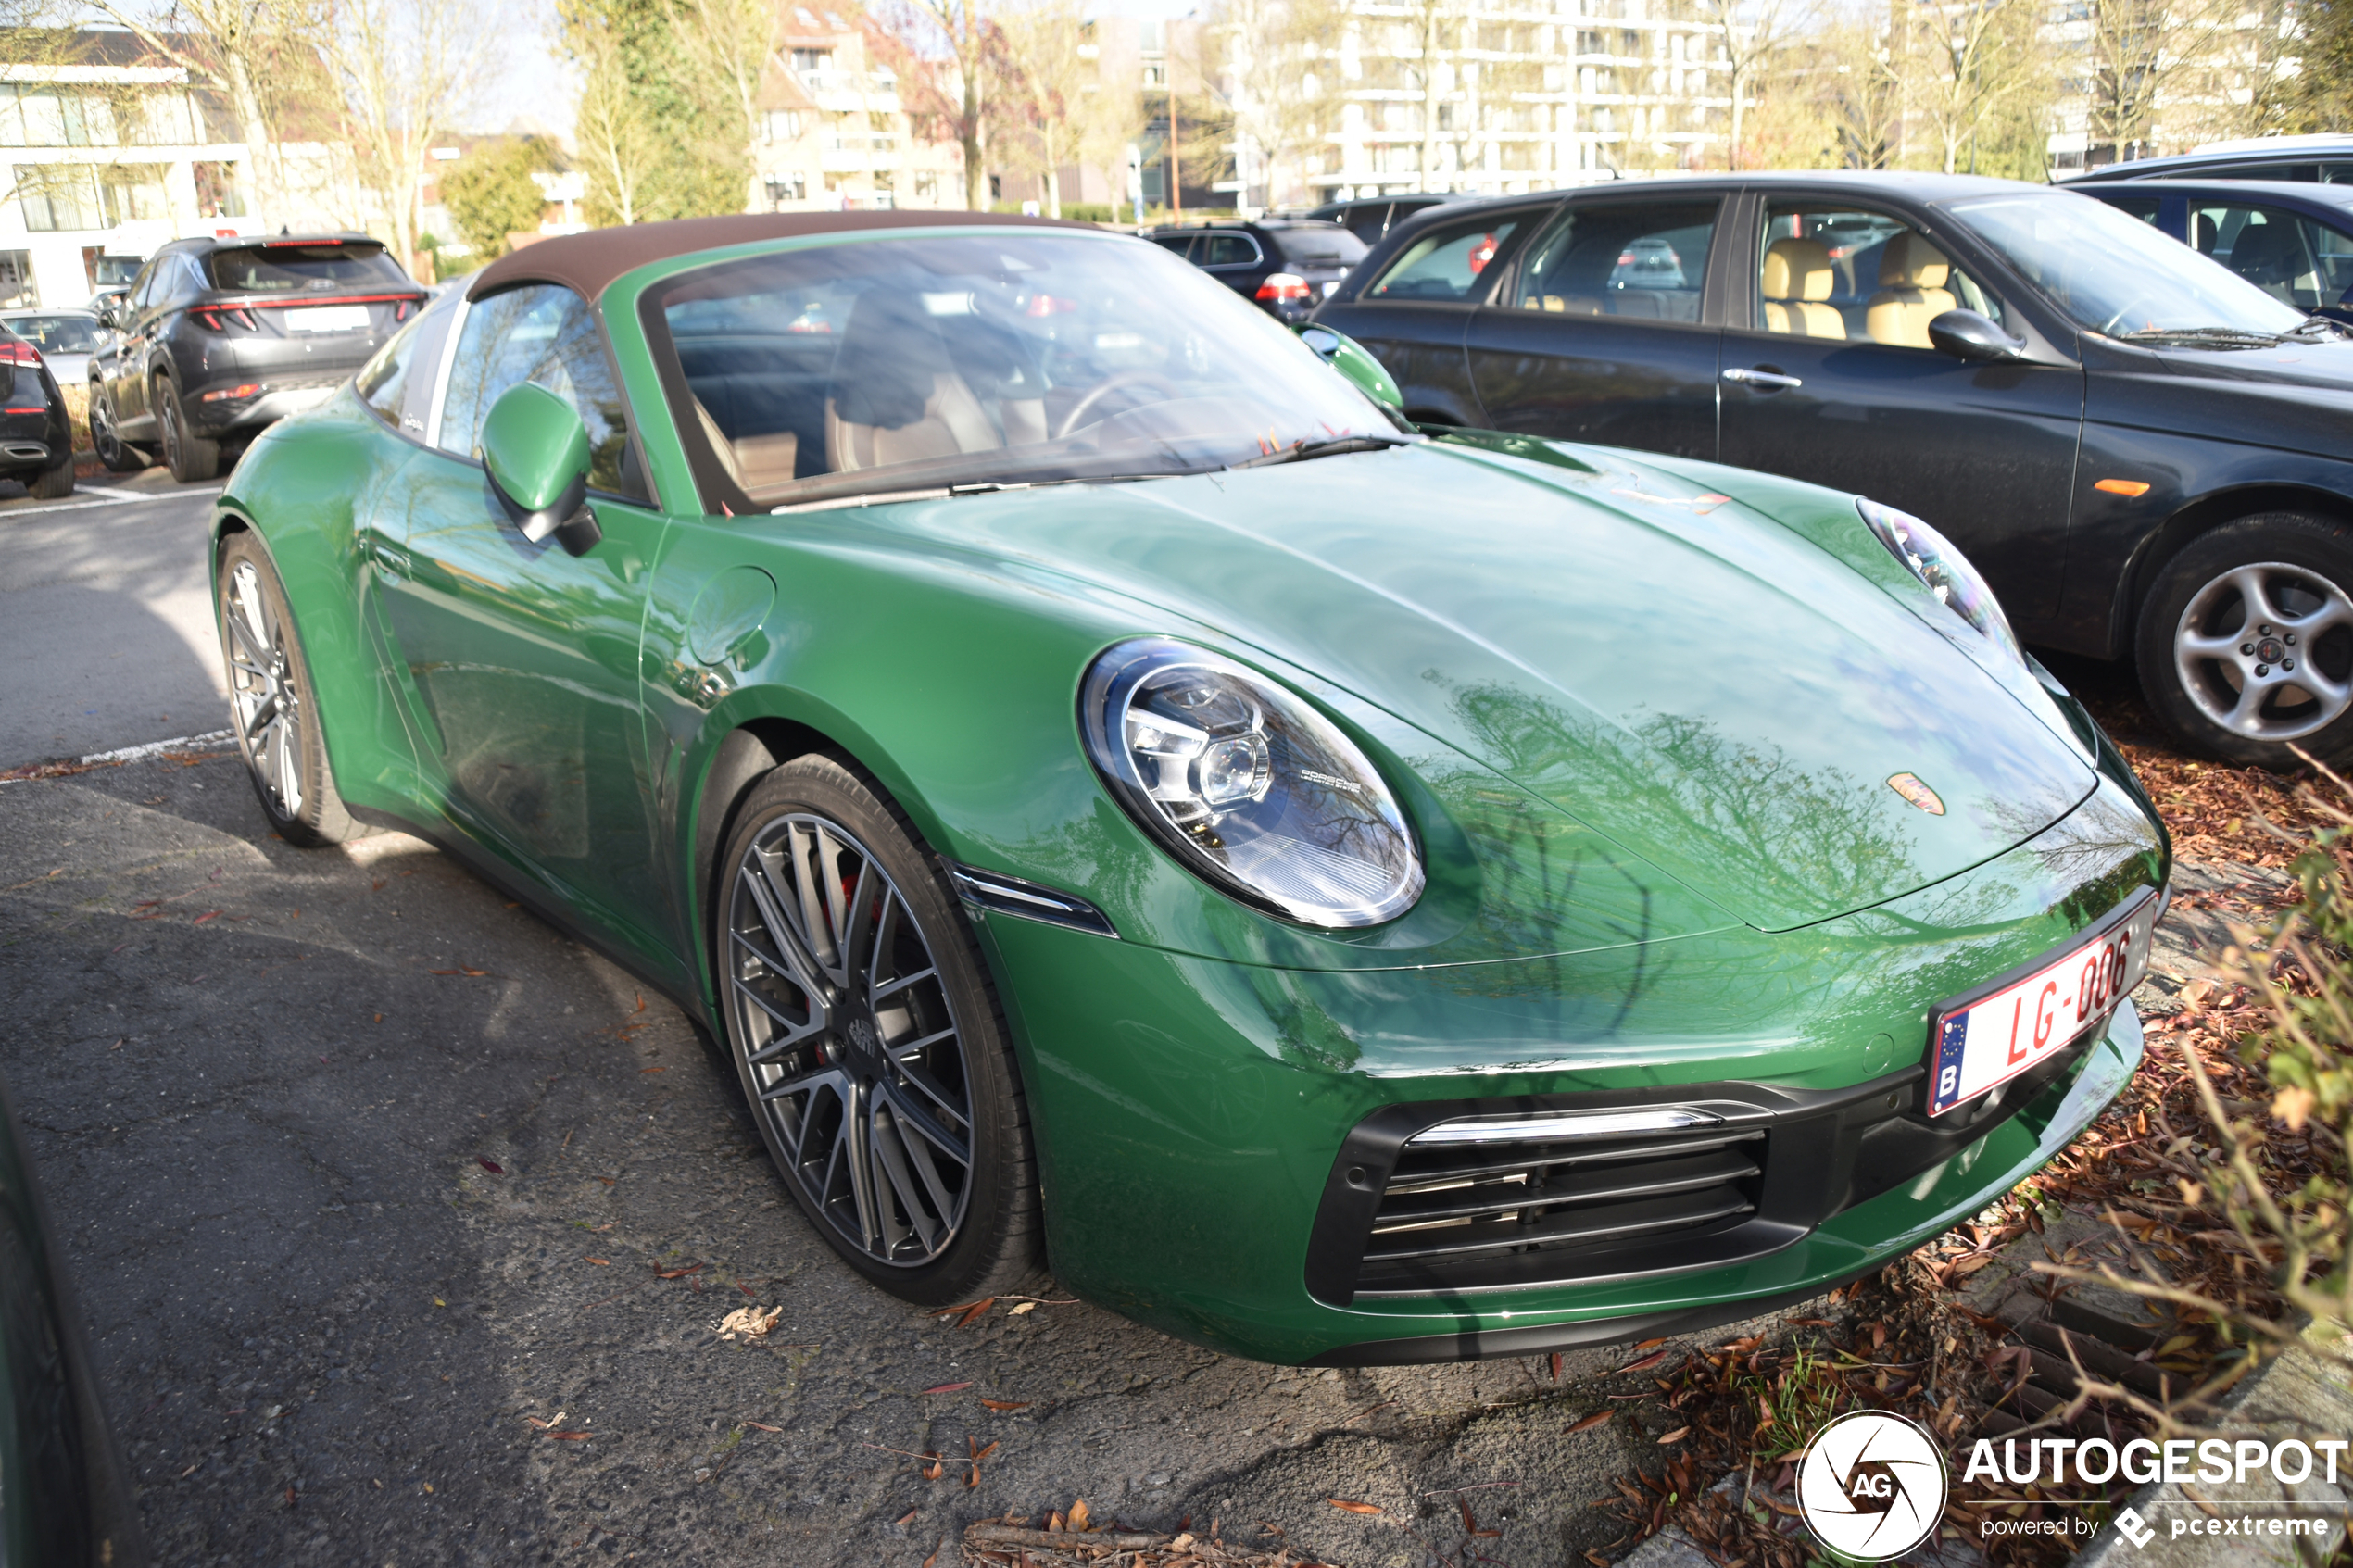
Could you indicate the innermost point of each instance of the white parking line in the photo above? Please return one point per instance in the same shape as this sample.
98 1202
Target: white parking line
109 497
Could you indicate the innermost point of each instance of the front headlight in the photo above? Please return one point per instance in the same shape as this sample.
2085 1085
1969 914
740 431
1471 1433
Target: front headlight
1248 785
1947 573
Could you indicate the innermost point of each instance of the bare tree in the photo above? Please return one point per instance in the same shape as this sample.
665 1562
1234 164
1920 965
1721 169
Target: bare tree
405 69
1754 33
1054 108
618 148
1976 60
1268 79
258 55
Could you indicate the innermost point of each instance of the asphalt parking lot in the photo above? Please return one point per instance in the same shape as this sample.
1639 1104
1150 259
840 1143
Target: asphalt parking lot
403 1224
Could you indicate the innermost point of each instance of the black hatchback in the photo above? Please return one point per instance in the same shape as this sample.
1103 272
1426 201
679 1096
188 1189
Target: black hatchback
2146 454
1287 265
36 438
220 338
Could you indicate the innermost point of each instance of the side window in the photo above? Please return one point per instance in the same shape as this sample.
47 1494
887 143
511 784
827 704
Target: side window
1844 272
2291 258
544 334
1446 263
382 383
1643 260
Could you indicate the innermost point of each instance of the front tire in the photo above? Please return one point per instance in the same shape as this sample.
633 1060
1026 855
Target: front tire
118 455
868 1040
2245 640
190 457
272 704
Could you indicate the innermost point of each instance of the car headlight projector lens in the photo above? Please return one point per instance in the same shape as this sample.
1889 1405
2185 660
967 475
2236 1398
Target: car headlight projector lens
1946 572
1248 785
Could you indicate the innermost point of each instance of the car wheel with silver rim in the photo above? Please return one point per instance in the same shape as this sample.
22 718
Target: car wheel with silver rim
272 708
2245 640
868 1040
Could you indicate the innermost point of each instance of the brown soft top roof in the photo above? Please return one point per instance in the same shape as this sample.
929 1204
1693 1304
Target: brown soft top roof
590 261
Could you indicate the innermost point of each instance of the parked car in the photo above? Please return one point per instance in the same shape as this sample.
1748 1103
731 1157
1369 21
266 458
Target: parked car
1351 897
1286 265
2145 452
1370 217
63 1500
221 338
36 437
2324 159
2294 242
65 338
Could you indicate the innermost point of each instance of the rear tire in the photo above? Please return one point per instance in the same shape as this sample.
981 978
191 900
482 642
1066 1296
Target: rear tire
869 1042
272 707
2245 640
191 457
55 483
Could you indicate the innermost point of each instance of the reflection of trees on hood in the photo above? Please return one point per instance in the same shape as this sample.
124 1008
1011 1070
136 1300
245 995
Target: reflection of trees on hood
1813 839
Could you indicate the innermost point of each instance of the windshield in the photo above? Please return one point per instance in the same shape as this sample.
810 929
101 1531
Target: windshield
2116 275
57 334
1014 356
298 269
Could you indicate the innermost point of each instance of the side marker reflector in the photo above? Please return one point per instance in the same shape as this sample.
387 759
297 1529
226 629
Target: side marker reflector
2123 486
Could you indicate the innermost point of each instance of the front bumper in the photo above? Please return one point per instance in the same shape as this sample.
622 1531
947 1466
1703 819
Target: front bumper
1192 1115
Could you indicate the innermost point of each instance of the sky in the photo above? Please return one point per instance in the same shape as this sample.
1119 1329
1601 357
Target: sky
536 82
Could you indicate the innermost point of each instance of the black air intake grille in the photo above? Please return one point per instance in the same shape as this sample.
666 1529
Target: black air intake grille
1466 1203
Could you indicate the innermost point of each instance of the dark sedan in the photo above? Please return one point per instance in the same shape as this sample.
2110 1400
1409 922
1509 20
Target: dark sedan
1287 265
36 439
220 338
2146 455
2293 241
2321 159
63 1499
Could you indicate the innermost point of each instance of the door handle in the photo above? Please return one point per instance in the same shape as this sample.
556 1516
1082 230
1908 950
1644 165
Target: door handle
1763 380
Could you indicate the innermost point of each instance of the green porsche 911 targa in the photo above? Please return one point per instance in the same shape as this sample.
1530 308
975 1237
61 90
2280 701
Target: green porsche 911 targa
1340 892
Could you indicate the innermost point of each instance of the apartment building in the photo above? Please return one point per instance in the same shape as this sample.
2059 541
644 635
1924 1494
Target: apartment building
833 135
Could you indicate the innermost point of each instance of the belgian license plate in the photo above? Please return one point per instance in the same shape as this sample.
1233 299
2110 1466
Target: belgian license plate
1986 1042
327 318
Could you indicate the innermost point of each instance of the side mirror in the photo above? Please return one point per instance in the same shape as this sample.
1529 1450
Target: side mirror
1966 335
1351 360
536 452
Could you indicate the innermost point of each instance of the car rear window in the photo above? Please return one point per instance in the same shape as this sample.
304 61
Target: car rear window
298 269
1334 246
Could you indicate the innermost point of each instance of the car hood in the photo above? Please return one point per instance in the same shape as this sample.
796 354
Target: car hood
1707 688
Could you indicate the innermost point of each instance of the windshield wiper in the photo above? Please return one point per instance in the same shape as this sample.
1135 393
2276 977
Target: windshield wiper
1328 447
2237 337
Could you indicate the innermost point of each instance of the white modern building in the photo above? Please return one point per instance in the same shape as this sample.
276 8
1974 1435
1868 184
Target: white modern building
104 154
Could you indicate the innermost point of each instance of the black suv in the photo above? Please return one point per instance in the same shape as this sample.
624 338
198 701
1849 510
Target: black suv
1288 265
36 442
221 338
2145 452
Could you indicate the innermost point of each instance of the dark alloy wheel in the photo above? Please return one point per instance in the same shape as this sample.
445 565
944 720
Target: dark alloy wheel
2245 642
118 455
272 706
868 1040
190 457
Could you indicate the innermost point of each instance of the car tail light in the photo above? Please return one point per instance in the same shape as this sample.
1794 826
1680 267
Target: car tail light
1283 288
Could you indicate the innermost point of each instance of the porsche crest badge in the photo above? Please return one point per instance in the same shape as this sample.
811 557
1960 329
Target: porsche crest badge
1909 786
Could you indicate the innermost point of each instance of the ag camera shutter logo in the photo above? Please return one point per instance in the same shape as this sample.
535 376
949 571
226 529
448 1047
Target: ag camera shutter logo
1873 1486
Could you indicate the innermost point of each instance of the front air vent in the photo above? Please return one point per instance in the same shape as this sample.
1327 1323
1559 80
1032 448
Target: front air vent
1463 1212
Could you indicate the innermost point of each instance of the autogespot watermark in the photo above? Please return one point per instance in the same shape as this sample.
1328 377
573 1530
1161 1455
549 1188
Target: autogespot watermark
1873 1486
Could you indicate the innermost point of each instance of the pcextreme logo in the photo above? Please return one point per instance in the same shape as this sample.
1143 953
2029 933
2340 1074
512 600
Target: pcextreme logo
1872 1485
